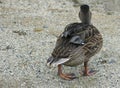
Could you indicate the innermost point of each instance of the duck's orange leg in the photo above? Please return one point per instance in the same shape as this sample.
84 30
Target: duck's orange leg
86 72
65 76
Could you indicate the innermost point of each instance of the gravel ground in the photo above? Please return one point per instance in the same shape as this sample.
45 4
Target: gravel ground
28 32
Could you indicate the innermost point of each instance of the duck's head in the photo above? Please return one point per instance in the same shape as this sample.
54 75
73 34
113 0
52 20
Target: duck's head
84 8
85 14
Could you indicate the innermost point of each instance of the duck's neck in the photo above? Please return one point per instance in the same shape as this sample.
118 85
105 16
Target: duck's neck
85 18
85 14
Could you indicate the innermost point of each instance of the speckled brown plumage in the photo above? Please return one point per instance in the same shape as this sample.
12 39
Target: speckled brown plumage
92 44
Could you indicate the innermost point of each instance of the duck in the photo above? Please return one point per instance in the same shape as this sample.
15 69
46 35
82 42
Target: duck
76 45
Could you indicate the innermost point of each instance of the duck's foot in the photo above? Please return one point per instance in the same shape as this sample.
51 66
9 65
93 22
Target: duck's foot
88 73
65 76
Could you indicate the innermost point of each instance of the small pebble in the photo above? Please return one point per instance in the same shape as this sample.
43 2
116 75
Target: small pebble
37 29
112 61
20 32
45 26
103 61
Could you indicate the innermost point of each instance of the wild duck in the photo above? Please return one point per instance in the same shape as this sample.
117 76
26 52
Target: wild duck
76 45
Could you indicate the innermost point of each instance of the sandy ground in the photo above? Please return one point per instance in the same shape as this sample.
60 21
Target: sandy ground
28 30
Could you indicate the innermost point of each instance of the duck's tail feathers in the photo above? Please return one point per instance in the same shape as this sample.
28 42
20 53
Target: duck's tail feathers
52 62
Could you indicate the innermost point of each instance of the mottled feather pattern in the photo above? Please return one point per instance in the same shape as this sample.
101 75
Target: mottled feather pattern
65 49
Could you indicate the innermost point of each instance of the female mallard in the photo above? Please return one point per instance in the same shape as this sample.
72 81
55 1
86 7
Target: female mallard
76 45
